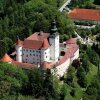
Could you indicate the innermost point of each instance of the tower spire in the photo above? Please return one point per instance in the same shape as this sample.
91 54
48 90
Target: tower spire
53 28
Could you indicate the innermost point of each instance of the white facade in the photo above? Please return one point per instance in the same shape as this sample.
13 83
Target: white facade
31 56
45 55
54 49
60 70
19 53
35 56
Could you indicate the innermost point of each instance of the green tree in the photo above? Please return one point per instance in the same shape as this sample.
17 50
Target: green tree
85 63
11 79
35 83
97 2
70 76
81 74
51 86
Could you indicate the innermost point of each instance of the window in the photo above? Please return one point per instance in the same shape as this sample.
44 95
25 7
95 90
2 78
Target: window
26 55
33 50
30 54
26 50
46 56
45 52
30 50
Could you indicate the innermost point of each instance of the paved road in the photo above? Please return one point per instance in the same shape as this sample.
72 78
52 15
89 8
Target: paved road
64 5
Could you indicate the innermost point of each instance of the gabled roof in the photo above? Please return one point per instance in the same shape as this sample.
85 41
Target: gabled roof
85 14
37 41
6 58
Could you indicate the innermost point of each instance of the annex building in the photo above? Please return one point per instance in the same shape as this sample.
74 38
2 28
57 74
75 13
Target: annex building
90 15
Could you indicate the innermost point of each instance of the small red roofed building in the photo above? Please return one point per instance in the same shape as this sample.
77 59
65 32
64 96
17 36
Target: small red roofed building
6 58
85 15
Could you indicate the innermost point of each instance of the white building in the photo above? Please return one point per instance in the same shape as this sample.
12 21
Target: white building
39 47
42 50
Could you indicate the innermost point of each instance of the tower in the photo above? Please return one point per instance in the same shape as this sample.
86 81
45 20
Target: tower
54 42
19 50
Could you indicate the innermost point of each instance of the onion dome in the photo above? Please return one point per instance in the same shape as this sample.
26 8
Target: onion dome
53 28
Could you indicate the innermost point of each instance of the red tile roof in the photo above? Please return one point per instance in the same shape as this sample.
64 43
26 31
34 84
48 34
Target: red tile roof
45 44
85 14
6 58
47 65
71 40
36 41
69 53
24 65
73 47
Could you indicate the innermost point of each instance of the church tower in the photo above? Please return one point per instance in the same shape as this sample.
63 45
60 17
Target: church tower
54 42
